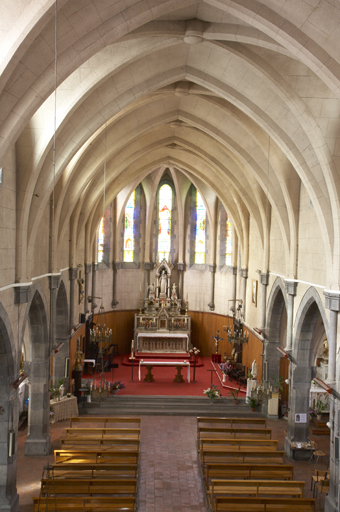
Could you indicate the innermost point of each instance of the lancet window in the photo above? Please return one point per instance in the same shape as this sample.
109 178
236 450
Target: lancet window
229 242
200 230
101 238
129 236
164 222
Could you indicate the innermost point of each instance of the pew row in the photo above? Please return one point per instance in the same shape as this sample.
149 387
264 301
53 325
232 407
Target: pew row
204 432
116 456
68 442
240 455
105 420
242 504
53 487
247 471
265 444
103 433
256 488
93 471
85 504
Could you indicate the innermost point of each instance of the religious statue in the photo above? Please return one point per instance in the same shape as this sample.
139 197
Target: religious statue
151 291
254 370
217 339
174 292
78 365
163 282
325 349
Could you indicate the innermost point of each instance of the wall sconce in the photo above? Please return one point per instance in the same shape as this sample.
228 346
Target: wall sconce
329 425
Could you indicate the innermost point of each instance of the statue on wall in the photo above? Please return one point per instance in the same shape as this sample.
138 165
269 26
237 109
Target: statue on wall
163 281
325 349
217 339
174 292
151 291
254 370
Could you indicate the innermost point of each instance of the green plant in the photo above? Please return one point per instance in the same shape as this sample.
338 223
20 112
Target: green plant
252 402
249 375
234 392
320 406
278 382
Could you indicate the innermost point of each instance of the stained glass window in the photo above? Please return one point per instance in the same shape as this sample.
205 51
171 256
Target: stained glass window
200 230
129 241
229 242
100 253
164 222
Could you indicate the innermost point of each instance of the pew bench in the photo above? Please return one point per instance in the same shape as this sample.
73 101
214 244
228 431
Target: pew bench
85 504
257 488
92 471
68 442
103 433
105 420
232 433
247 471
88 487
240 455
230 422
112 455
265 444
242 504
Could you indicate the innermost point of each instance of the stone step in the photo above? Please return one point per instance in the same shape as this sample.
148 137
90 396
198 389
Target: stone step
167 405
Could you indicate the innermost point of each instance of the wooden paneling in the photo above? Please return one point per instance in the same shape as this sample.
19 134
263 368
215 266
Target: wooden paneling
205 325
122 324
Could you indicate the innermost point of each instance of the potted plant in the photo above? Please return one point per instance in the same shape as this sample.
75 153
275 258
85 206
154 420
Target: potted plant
277 383
320 407
212 393
252 402
234 393
249 375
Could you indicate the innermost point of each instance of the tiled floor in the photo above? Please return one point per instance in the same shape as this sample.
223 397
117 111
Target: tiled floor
170 478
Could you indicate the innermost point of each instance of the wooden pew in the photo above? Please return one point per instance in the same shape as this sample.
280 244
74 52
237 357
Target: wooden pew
52 487
234 454
112 455
105 420
247 471
242 504
86 471
102 432
76 442
85 504
281 488
265 444
233 432
213 422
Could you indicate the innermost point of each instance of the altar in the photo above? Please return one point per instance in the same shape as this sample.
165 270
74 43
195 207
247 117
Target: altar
160 325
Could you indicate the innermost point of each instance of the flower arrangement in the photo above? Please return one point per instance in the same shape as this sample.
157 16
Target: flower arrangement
212 392
225 368
116 386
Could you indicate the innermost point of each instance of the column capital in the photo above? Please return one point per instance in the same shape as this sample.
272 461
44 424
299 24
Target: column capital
291 287
54 281
94 267
72 273
264 278
88 268
180 266
332 300
212 269
116 265
243 272
147 265
21 294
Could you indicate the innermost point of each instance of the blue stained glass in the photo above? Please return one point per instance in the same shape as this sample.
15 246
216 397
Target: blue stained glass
200 230
164 222
129 240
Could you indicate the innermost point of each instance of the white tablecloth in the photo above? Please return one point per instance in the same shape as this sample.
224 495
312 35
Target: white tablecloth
64 409
165 363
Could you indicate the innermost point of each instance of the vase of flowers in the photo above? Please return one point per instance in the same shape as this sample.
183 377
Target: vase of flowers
212 393
224 367
116 387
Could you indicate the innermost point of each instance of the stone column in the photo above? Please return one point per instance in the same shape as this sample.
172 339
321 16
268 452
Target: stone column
180 267
147 268
72 272
38 440
94 280
264 278
87 286
54 283
115 267
291 292
332 302
211 304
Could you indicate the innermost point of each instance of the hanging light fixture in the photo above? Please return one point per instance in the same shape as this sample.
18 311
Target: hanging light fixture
100 333
237 333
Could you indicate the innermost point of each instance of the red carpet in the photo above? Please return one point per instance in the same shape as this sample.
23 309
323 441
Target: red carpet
206 373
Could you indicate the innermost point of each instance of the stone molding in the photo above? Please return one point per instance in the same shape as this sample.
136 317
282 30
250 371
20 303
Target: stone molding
332 301
291 287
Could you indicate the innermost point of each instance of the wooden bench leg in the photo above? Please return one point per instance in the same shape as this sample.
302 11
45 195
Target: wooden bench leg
179 376
149 376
